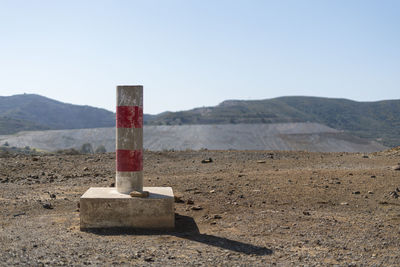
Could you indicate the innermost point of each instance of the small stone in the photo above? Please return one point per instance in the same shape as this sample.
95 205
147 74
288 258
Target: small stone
261 161
394 194
197 208
53 196
307 213
143 194
217 216
35 159
212 191
365 156
47 206
373 176
209 160
370 192
112 184
356 192
190 202
178 198
85 169
396 168
344 203
148 259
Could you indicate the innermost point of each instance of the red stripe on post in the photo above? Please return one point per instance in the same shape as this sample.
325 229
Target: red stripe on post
129 160
129 117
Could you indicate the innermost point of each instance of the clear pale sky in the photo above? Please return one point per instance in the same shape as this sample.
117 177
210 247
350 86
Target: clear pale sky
191 53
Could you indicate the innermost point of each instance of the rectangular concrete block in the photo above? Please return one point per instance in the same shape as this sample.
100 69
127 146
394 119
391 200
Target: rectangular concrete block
105 207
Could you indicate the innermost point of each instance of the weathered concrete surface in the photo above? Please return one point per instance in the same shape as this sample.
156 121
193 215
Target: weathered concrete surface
129 139
105 207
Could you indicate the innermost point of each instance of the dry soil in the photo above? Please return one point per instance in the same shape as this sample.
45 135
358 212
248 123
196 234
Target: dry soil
245 208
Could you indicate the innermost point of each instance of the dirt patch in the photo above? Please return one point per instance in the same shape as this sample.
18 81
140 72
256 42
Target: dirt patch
257 208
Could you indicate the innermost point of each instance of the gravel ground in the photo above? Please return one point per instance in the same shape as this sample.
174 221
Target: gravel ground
245 208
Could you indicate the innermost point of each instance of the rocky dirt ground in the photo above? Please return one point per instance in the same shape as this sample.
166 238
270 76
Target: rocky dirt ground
242 209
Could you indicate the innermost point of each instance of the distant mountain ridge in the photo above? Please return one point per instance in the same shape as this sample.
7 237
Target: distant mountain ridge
35 112
378 121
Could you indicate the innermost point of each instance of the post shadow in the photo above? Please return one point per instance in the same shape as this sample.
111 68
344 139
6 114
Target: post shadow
186 227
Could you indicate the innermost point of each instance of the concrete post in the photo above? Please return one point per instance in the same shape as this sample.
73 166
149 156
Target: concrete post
129 145
129 204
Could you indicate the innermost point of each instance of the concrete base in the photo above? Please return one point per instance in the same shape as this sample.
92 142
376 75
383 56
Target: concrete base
105 207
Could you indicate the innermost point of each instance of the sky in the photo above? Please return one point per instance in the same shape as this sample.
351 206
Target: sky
190 53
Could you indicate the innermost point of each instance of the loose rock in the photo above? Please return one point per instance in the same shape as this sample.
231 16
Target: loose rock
143 194
47 206
394 194
209 160
178 198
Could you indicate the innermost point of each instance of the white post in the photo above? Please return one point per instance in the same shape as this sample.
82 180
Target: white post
129 145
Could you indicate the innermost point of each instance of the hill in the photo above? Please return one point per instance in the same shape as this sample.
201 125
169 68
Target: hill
376 121
373 120
34 112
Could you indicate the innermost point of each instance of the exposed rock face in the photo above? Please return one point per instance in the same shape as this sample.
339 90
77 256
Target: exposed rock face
281 136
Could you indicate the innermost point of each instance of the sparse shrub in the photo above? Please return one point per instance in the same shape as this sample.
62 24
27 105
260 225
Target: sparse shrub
69 151
86 148
101 149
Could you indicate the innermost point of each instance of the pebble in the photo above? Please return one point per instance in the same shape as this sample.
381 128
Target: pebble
209 160
344 203
356 192
261 161
217 216
148 259
394 194
197 208
53 196
307 213
178 198
396 168
47 206
190 202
